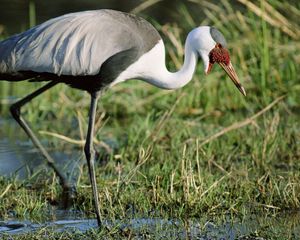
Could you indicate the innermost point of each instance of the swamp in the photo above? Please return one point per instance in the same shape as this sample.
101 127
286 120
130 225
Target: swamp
201 162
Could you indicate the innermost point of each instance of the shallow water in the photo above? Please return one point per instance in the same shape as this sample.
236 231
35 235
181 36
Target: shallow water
61 220
283 225
21 160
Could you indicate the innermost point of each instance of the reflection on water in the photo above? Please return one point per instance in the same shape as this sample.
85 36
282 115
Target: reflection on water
13 153
284 226
20 159
61 220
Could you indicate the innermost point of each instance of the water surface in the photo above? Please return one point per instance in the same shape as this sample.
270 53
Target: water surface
20 159
282 226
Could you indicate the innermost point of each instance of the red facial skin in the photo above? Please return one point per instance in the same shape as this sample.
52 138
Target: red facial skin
218 55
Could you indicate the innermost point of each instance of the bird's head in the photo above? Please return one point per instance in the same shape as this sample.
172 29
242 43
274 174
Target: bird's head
211 45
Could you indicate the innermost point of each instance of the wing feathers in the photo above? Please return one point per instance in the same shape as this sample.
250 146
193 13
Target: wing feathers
76 44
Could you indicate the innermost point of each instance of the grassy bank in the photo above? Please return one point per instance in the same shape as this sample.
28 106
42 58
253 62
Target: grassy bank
204 150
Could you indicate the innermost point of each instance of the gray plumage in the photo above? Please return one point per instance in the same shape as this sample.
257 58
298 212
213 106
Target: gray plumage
218 37
100 43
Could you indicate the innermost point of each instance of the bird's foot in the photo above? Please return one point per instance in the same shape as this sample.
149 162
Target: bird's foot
69 196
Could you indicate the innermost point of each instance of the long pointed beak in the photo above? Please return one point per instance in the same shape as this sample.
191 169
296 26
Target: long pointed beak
233 76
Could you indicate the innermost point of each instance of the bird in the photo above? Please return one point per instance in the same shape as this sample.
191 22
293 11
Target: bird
95 50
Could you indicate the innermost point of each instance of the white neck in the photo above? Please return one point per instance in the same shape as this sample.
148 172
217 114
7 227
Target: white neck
162 78
152 69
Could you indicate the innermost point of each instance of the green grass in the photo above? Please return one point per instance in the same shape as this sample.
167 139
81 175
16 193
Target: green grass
167 163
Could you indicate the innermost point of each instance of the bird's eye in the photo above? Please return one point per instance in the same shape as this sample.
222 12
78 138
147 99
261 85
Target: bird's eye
219 45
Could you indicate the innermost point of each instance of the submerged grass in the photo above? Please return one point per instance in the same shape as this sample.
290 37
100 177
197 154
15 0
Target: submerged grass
200 150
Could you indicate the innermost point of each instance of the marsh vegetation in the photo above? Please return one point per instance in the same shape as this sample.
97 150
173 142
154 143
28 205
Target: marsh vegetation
202 153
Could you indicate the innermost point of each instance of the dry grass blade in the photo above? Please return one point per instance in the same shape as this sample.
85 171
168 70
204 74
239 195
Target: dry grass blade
267 206
214 185
275 21
208 4
74 141
151 98
6 190
242 123
144 156
276 14
173 34
63 137
164 120
79 119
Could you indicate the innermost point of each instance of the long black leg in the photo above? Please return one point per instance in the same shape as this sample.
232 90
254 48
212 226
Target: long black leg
15 110
90 152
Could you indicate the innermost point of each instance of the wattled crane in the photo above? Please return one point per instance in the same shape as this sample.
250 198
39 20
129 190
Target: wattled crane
93 50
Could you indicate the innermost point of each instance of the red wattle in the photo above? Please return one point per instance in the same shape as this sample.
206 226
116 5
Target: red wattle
219 55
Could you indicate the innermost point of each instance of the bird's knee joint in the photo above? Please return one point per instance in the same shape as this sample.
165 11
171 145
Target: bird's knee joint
89 151
15 111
